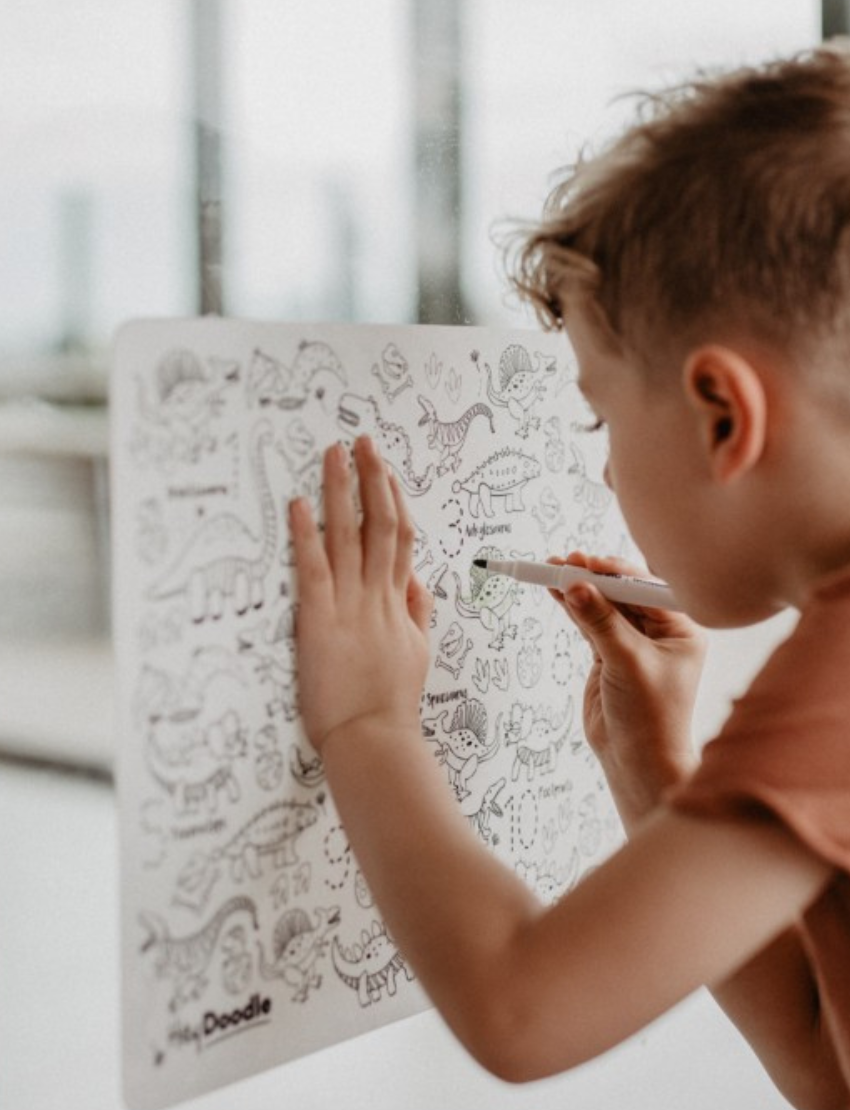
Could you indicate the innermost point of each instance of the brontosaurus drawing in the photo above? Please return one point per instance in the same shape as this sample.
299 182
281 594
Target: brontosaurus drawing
224 561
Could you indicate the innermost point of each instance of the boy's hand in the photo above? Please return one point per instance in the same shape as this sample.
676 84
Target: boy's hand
363 617
640 692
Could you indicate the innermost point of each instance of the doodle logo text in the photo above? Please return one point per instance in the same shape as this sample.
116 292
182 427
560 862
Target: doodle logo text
256 1013
215 1026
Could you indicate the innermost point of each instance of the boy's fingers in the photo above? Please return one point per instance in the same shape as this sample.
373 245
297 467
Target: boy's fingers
609 633
342 536
380 520
405 537
311 563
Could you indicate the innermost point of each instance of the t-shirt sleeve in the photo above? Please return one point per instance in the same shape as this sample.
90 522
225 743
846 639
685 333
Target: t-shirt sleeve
784 752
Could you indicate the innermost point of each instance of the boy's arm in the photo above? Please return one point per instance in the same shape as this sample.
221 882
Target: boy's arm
773 999
532 991
529 991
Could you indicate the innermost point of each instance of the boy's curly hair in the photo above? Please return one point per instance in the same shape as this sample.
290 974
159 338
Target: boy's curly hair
725 211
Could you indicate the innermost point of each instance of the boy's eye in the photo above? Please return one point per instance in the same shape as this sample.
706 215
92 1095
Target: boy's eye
596 426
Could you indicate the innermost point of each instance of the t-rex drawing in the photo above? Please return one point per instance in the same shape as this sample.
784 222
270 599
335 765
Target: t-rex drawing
360 416
224 561
491 600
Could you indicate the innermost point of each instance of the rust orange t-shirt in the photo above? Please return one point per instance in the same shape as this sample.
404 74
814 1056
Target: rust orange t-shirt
785 750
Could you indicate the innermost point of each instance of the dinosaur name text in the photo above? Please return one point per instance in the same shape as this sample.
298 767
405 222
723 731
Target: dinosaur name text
214 825
176 492
482 530
449 696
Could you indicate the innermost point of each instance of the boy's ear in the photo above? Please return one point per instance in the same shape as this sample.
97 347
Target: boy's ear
727 394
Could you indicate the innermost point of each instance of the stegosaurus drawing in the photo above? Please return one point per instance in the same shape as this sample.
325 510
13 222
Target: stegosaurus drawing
371 966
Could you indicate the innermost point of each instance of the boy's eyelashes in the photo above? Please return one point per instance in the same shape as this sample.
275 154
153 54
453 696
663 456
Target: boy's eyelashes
596 426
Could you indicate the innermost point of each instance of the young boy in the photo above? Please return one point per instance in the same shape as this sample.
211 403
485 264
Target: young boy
701 267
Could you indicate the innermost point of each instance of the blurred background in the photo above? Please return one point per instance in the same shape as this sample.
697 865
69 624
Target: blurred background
299 160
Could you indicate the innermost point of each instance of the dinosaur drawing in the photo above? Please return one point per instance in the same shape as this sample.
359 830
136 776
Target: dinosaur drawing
297 945
272 832
481 809
186 959
192 739
491 600
360 416
370 967
176 411
449 437
271 650
463 747
314 368
520 387
503 475
538 738
594 497
224 561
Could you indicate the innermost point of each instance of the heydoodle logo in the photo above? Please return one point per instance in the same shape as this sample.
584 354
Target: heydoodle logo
216 1026
257 1008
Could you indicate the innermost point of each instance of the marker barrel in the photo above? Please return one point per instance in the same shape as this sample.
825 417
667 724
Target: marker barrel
619 588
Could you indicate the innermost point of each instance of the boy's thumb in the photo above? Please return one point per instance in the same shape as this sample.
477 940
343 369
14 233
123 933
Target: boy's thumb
420 602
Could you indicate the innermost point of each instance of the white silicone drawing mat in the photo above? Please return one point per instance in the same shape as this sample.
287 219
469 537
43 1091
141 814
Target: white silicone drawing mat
249 936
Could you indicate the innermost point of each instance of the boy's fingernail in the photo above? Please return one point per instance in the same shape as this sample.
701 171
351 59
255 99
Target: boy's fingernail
339 454
299 508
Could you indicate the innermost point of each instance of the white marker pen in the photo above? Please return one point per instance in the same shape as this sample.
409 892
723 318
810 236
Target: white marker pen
622 588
